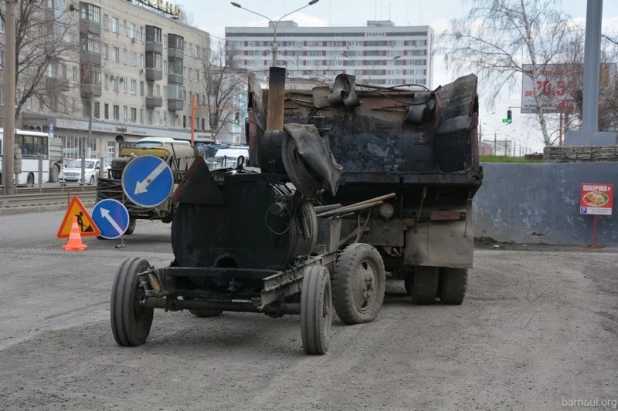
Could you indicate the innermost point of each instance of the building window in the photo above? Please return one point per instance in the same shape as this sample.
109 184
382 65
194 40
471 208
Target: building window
164 92
133 115
90 43
116 112
141 88
115 54
116 88
158 88
133 58
141 116
141 60
86 108
115 25
111 149
165 118
105 51
91 12
124 27
90 74
105 82
1 25
105 22
124 113
133 86
124 84
176 67
106 111
153 34
150 114
132 30
125 57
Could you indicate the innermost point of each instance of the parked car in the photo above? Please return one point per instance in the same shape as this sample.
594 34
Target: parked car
72 172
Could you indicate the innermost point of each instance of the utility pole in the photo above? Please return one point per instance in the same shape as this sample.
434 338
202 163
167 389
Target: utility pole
495 143
8 160
506 144
83 170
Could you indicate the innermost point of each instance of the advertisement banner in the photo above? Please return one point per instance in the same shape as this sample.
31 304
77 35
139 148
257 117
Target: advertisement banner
596 199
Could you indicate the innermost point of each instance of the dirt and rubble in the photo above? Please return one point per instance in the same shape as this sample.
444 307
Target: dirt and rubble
536 329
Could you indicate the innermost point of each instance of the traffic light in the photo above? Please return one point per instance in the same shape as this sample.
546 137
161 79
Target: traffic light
237 118
509 117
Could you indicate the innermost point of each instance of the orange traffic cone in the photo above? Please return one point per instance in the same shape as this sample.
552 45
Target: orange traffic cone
75 239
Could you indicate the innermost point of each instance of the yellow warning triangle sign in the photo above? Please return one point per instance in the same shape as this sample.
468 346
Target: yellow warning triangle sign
86 224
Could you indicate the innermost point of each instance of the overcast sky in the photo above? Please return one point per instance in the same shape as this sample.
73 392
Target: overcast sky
213 16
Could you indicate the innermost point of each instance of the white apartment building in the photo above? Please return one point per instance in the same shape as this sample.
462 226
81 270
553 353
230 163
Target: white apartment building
379 54
138 66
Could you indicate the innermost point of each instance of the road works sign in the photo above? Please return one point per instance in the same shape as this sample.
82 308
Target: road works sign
112 218
147 181
596 199
87 226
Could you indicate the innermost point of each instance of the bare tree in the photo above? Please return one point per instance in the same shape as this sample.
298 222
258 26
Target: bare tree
45 46
490 39
186 17
222 86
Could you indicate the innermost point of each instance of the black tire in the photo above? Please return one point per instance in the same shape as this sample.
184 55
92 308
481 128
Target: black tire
30 180
359 284
453 285
316 310
425 288
131 227
130 323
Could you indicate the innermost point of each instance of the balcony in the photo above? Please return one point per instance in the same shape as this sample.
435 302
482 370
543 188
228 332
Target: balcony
175 78
89 26
153 102
90 90
89 58
175 53
154 47
154 74
175 105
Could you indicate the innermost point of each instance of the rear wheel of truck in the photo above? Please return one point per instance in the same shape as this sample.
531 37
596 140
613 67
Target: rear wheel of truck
425 285
359 284
130 321
316 310
453 285
131 227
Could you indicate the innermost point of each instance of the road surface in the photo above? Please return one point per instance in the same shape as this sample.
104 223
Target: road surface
537 329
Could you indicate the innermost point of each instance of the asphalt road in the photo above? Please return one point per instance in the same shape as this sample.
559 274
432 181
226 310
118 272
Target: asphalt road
537 330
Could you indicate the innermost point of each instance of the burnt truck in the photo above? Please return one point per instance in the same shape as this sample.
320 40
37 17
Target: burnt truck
345 188
179 156
422 146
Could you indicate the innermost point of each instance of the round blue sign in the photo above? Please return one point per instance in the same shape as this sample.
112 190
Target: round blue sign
147 181
112 218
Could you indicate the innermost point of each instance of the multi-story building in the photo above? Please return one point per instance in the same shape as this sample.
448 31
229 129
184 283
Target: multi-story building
379 54
134 69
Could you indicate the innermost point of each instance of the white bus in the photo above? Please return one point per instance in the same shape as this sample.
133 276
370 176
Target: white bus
32 144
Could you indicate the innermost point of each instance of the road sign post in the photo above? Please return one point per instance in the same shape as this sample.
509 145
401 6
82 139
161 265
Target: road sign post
147 181
112 218
596 199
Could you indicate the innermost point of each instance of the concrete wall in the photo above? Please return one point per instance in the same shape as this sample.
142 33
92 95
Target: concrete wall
539 203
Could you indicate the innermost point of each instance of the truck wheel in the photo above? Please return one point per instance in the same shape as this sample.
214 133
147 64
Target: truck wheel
359 284
131 227
408 281
425 288
130 321
453 285
316 310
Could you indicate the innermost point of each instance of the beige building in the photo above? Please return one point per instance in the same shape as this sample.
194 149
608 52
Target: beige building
137 64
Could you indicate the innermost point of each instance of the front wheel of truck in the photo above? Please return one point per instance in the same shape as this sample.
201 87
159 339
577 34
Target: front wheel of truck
453 285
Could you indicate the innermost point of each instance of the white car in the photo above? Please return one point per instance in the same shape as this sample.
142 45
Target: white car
72 172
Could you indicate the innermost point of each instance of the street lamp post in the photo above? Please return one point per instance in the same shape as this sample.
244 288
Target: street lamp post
275 24
8 160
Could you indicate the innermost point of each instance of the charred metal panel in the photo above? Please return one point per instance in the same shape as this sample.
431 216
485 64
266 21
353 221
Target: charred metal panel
198 186
440 244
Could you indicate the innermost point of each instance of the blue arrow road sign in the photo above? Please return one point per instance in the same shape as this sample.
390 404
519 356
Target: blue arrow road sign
112 218
147 181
